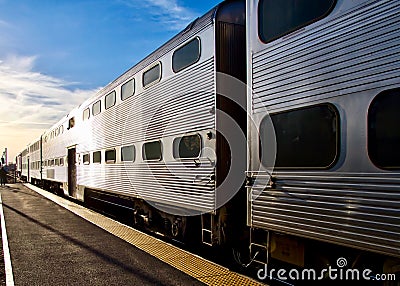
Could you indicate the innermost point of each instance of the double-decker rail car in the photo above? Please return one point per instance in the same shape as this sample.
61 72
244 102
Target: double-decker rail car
21 164
18 163
30 162
54 154
35 159
324 158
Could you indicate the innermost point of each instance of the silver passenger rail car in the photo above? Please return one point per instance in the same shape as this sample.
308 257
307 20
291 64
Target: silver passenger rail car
18 162
328 79
24 155
54 154
32 162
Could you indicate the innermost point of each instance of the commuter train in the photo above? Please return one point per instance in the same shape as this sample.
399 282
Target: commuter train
267 126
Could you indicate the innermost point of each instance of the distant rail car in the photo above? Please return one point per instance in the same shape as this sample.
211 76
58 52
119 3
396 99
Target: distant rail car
273 125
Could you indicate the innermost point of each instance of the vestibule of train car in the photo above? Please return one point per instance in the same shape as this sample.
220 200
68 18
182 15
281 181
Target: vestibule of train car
230 55
72 171
230 60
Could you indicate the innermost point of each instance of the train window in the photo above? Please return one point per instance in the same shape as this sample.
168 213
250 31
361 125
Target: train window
152 75
96 108
71 124
278 18
152 150
384 131
97 157
128 153
86 159
187 146
57 162
61 161
128 89
110 100
110 156
186 55
305 138
86 114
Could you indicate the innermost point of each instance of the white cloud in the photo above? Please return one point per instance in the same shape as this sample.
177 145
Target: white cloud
171 7
167 12
14 63
31 102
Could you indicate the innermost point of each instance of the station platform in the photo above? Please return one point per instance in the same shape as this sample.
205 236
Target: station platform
53 241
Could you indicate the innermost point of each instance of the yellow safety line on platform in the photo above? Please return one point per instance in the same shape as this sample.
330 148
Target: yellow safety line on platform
203 270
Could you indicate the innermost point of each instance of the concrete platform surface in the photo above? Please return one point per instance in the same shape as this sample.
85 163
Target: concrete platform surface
50 245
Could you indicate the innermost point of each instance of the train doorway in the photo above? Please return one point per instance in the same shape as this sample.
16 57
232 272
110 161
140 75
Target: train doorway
28 180
72 172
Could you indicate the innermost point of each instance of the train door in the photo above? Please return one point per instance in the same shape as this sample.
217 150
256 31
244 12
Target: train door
28 179
72 172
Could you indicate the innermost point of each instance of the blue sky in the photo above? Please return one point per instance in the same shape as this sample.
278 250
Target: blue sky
55 54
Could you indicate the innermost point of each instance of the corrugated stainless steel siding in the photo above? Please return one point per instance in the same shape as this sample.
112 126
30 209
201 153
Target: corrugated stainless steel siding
24 168
171 184
173 107
55 147
351 209
357 50
349 56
